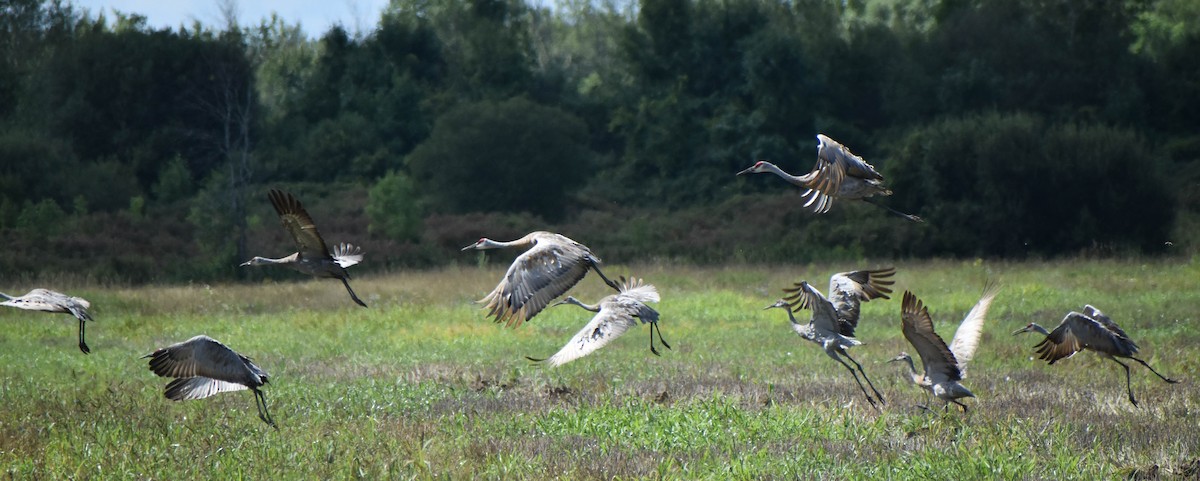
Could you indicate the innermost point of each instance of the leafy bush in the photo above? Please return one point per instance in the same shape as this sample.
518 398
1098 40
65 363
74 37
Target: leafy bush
393 209
1013 185
514 156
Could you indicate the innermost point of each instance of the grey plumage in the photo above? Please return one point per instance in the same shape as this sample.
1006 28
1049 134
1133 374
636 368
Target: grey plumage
615 314
1089 330
837 174
46 300
550 266
312 256
202 367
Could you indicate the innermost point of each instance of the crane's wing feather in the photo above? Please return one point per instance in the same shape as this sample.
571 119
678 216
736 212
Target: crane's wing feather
298 223
346 255
833 152
535 278
826 181
198 388
1108 323
966 338
805 296
1079 331
201 356
848 289
940 365
46 300
616 316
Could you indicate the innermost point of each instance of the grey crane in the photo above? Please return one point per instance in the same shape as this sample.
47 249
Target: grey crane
838 173
202 367
312 257
944 366
550 266
834 320
1091 330
615 314
46 300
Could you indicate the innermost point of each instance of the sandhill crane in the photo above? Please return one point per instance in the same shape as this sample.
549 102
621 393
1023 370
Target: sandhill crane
1091 330
834 320
838 173
615 314
312 257
202 367
552 265
944 366
46 300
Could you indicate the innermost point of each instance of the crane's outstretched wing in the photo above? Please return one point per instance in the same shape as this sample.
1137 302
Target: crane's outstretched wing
1108 323
298 223
198 388
848 289
618 313
200 356
966 338
1078 331
805 296
833 152
346 255
536 277
827 180
46 300
940 365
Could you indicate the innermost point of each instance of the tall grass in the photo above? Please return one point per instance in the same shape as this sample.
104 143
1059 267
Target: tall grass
421 385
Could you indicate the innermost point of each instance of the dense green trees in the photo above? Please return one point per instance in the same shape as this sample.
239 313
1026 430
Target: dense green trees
1014 127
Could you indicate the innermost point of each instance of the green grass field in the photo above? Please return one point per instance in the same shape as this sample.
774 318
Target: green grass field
421 385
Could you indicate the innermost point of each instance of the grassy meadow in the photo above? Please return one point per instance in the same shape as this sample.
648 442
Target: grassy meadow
421 385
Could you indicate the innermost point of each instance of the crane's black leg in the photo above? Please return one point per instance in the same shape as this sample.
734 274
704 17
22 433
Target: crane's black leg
1165 378
860 384
614 285
260 401
660 338
351 291
652 349
1127 386
864 374
82 345
894 211
961 405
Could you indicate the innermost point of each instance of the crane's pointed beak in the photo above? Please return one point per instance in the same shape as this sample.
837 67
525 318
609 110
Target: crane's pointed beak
750 170
467 248
1018 331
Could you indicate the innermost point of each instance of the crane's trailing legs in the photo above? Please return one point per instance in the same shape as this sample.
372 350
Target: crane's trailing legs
911 217
351 291
260 401
654 327
616 287
82 345
1128 388
855 374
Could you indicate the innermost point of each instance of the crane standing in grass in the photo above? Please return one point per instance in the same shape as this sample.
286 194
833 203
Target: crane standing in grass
1091 330
202 367
944 366
312 256
615 314
46 300
551 265
834 320
838 174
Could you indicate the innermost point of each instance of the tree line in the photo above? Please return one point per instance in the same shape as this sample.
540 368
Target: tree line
1016 128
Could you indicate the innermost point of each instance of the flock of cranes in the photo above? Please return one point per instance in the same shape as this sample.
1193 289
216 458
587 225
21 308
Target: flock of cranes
552 264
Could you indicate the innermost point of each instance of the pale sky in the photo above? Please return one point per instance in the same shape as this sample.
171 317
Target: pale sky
314 16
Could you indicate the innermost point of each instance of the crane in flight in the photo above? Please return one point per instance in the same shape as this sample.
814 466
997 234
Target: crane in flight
202 367
46 300
311 256
834 319
944 365
838 174
615 314
1091 330
550 266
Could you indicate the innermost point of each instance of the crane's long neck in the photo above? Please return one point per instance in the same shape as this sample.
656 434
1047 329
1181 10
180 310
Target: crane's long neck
258 261
801 180
1036 327
494 244
577 302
